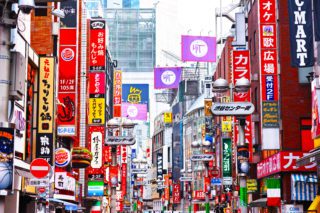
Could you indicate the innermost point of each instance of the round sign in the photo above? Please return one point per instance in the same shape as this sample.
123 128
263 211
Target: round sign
168 77
67 54
132 111
39 168
62 157
199 48
41 190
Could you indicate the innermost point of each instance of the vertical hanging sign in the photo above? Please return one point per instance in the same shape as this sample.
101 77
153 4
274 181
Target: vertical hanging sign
301 33
46 87
97 44
96 145
226 161
241 68
117 93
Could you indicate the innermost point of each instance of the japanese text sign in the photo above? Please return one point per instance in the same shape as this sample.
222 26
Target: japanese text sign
96 135
97 87
167 77
135 93
46 94
270 116
117 93
198 48
124 178
44 148
267 11
97 111
226 157
97 52
282 162
232 108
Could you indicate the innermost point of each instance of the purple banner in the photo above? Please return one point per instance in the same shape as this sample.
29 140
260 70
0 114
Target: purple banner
167 77
134 111
198 48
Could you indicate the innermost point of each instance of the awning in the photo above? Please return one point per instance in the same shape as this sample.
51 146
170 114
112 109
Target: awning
67 205
303 187
309 158
315 205
22 168
262 202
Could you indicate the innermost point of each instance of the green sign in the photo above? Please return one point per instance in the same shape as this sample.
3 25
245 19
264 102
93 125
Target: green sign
226 157
243 196
270 115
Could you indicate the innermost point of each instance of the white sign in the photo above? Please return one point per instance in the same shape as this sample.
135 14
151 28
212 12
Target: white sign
186 179
139 171
38 182
232 108
66 130
203 157
292 208
120 140
96 149
227 181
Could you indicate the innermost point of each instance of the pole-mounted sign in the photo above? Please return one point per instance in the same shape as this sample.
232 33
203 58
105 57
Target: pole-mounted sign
232 108
203 157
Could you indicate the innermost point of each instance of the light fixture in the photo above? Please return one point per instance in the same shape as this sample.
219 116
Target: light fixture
58 13
26 6
242 85
220 85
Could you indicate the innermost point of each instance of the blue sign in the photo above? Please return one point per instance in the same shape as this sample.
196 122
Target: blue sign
133 154
135 93
216 181
269 87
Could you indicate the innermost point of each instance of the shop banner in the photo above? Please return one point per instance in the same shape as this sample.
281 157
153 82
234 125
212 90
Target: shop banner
289 208
301 33
96 143
67 83
124 179
117 93
159 166
167 189
199 195
123 154
97 84
97 110
198 48
97 44
65 186
176 193
135 93
252 185
167 77
113 172
226 157
134 111
282 162
270 114
70 10
7 153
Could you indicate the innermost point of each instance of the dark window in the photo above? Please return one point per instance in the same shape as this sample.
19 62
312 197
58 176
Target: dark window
41 11
254 43
169 155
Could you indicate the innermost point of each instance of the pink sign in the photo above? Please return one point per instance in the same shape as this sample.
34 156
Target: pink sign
97 83
134 111
282 162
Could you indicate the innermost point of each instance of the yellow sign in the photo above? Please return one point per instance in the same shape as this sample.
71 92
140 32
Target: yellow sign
226 124
252 185
46 86
207 107
167 117
97 111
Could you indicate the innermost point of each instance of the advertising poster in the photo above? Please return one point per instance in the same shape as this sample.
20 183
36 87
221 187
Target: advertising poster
6 151
97 84
167 77
135 93
198 48
117 93
95 188
135 111
97 44
97 110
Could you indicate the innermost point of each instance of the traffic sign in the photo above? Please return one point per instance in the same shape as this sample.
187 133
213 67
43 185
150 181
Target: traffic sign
232 108
39 168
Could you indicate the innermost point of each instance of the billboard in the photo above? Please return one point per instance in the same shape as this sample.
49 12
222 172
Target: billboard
134 111
198 48
167 77
135 93
97 44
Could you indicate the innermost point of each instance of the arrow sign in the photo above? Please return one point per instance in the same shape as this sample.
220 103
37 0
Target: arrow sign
186 179
204 157
39 168
232 108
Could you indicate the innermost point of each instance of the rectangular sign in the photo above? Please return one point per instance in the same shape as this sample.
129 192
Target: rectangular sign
65 186
198 48
301 33
117 93
134 111
124 179
159 165
44 148
270 88
135 93
176 193
97 84
95 188
167 77
282 162
270 115
70 10
167 117
232 108
97 110
252 186
46 95
97 44
226 157
96 143
7 140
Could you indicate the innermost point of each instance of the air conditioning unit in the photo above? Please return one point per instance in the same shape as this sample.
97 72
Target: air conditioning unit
17 76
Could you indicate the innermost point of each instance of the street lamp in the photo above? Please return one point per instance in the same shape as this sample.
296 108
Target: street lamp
242 85
121 134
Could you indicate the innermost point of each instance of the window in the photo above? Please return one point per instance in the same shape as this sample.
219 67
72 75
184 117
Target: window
169 155
254 43
41 11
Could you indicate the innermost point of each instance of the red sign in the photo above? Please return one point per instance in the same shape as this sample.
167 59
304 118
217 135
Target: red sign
66 110
268 61
267 11
97 84
124 179
167 189
97 54
241 69
117 93
199 195
206 184
39 168
95 145
107 154
176 193
282 162
67 68
113 172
